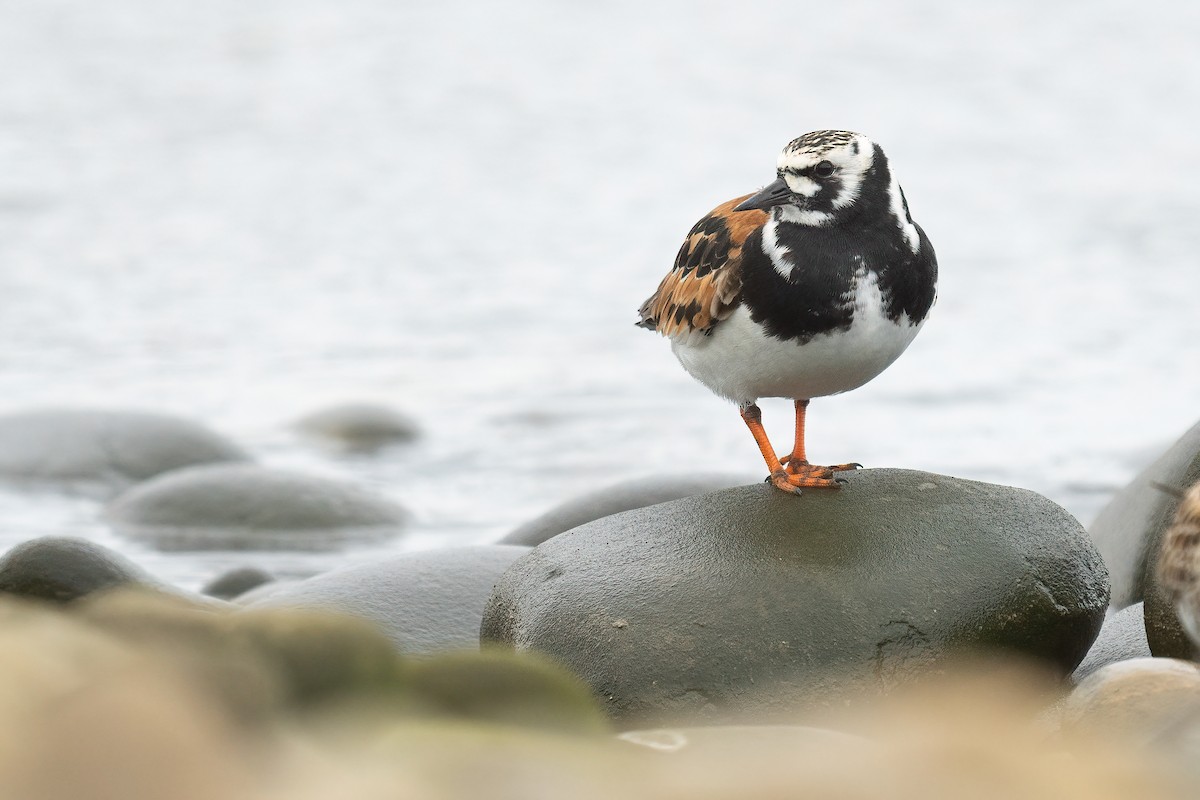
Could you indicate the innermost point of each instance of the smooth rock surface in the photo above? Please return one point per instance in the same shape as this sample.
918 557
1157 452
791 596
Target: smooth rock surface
244 506
103 451
749 604
1128 532
425 601
236 582
1122 637
624 496
359 427
62 569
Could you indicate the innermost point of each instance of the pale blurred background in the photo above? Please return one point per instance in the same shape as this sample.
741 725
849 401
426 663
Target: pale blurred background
243 211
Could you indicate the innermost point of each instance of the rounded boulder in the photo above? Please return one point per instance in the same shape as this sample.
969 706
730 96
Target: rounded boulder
103 452
752 605
624 496
63 569
248 507
426 601
236 582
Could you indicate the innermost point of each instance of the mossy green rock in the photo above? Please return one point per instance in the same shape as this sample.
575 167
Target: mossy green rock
749 604
1129 530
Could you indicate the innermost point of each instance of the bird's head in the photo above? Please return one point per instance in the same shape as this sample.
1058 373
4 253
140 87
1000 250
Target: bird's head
821 176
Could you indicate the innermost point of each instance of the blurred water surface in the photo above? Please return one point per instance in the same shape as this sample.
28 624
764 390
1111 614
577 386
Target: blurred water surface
241 211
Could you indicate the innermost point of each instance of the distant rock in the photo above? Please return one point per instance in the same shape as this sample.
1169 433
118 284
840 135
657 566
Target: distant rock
749 604
425 601
248 507
236 582
359 427
624 496
103 452
1122 637
1128 532
61 569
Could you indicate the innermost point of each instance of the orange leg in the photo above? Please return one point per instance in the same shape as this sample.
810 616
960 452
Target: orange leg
781 478
797 462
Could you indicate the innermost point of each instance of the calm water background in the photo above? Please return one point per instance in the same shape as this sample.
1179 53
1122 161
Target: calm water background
242 211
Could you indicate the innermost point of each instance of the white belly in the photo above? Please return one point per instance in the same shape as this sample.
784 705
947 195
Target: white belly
740 362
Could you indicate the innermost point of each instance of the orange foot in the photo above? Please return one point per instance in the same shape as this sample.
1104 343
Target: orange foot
796 466
793 483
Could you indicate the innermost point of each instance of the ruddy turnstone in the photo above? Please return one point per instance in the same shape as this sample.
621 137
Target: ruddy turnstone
809 288
1179 560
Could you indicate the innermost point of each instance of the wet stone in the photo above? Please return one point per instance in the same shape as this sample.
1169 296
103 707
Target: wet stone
624 496
751 605
425 601
103 452
248 507
63 569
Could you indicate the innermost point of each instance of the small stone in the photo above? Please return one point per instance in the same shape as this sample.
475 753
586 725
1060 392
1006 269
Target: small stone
359 427
248 507
236 582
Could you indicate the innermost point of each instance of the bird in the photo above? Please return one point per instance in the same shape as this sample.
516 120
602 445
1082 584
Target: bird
808 288
1179 559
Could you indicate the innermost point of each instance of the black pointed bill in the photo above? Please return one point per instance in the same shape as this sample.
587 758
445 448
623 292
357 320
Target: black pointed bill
771 195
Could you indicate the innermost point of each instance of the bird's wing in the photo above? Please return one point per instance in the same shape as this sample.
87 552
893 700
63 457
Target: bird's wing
704 286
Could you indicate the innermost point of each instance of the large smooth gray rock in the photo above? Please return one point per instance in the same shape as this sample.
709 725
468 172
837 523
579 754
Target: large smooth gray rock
624 496
1122 637
62 569
426 601
244 506
103 451
1128 532
750 605
358 427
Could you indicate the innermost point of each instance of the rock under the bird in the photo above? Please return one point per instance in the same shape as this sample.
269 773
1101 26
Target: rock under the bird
748 604
623 496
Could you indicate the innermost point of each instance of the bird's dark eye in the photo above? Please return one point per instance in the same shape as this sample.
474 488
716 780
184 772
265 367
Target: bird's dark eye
823 170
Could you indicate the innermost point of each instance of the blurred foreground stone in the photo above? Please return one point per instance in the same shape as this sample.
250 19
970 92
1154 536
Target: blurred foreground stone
248 507
103 452
1128 532
1139 701
425 601
749 604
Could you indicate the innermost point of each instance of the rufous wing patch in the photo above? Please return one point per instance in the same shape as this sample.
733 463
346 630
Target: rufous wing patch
704 286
